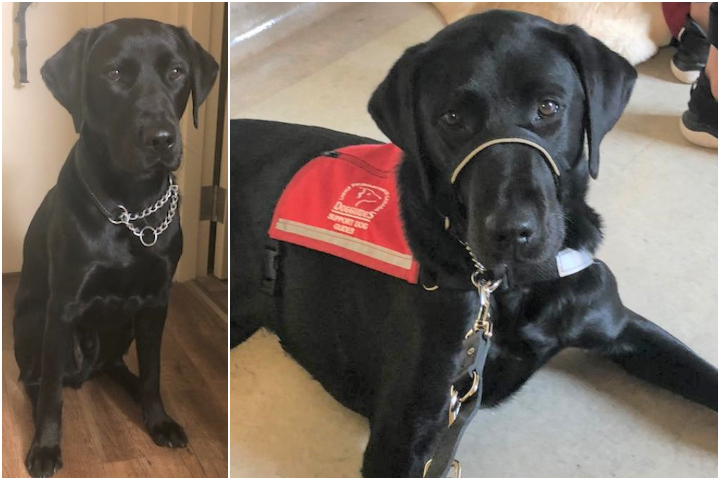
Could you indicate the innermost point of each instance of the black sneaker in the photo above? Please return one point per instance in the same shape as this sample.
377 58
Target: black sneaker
699 123
692 52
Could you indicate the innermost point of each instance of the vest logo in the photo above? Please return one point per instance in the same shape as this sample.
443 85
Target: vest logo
357 206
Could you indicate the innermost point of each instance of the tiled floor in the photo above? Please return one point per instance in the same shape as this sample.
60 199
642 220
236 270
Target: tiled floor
579 416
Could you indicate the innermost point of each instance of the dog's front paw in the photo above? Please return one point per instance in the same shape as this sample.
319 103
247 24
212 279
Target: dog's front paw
43 462
167 433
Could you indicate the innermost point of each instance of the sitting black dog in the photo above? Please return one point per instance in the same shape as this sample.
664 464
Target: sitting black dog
101 251
389 349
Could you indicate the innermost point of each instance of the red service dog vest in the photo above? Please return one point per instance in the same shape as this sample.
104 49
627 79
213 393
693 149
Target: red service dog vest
345 203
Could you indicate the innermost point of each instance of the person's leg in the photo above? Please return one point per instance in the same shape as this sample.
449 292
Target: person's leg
700 12
699 122
711 70
692 40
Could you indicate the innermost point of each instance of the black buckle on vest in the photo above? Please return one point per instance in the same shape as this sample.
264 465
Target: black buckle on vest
270 266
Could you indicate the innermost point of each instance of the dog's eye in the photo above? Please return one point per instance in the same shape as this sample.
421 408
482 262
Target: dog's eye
113 75
176 73
548 108
452 118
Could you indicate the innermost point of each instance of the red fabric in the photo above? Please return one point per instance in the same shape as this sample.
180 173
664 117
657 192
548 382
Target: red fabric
674 13
351 200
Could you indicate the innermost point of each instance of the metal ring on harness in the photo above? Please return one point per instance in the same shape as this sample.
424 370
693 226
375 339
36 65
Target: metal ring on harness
455 466
551 163
473 388
456 400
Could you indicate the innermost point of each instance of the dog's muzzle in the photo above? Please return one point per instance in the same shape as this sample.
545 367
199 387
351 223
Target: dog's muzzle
447 203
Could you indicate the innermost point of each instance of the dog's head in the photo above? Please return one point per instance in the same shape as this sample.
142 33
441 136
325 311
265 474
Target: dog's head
496 75
126 84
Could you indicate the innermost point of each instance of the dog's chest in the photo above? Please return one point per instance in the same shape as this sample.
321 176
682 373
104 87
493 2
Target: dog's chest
127 286
521 325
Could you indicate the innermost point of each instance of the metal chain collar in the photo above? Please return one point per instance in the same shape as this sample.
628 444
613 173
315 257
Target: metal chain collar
126 218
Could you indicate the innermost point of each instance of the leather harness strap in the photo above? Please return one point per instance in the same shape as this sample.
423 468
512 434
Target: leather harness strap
475 349
270 267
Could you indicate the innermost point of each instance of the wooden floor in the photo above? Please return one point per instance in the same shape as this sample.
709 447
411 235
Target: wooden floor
103 435
214 290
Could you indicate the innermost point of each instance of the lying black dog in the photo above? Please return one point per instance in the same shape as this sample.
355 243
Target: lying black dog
389 349
102 249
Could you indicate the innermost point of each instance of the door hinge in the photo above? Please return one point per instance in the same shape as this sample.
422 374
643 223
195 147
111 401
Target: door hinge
212 203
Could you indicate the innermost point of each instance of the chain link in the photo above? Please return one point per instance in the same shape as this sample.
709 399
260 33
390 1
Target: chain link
479 267
126 218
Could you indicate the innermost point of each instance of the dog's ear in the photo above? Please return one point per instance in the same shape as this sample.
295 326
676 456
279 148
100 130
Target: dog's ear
608 81
394 110
64 74
204 70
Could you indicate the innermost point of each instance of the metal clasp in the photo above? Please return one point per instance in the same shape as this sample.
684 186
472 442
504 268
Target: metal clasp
482 321
455 466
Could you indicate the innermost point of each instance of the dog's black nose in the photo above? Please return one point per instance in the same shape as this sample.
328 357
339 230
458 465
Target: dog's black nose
159 139
517 230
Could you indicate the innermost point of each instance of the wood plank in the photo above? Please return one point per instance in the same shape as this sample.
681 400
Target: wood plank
103 435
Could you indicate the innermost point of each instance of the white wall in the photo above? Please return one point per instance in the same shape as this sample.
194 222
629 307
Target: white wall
37 131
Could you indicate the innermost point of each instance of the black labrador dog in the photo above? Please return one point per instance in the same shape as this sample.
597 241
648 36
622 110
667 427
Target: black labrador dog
101 250
389 349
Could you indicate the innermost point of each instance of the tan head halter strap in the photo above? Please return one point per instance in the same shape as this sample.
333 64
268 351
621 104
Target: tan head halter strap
471 155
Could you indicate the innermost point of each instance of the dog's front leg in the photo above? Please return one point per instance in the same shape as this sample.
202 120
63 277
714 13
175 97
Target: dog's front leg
163 429
44 458
399 449
403 430
646 350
